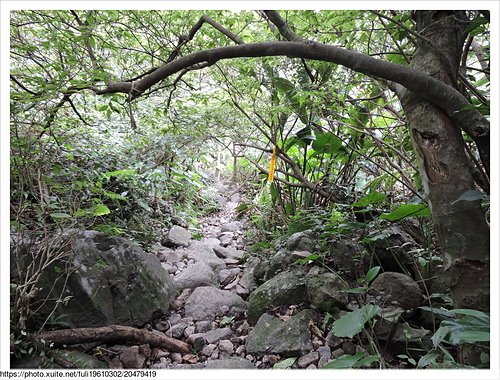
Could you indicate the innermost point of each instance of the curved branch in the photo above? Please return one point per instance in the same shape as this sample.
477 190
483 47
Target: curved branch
433 90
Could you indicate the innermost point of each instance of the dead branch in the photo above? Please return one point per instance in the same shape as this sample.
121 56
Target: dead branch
112 333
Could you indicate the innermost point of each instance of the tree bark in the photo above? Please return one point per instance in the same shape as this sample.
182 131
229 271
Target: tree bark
461 227
112 334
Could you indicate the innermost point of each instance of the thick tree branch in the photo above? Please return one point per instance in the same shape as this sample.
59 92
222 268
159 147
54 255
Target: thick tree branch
112 333
429 88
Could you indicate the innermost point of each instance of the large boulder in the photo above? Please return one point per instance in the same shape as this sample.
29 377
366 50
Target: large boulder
301 241
111 281
204 303
325 290
273 336
390 249
230 363
397 290
285 288
176 236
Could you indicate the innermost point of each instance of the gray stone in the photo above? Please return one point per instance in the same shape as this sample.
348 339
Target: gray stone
337 353
301 241
199 274
332 340
205 302
229 253
176 237
177 331
208 349
231 363
241 351
278 262
169 268
243 328
284 289
272 335
202 326
224 275
247 279
189 331
226 346
325 290
311 366
396 289
214 336
404 339
113 281
226 238
308 359
171 256
132 358
206 255
231 227
174 318
176 357
325 353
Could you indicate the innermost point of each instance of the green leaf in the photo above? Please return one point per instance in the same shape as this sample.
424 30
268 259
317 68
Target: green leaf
100 210
350 361
372 198
470 196
372 273
306 260
439 335
345 361
407 210
352 323
326 143
60 215
284 364
427 359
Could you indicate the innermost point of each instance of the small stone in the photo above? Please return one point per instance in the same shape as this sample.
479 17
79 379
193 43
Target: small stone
311 366
174 318
176 357
325 354
308 359
177 331
332 340
190 358
238 339
244 328
240 351
213 336
181 265
132 358
189 331
250 357
215 354
198 343
349 347
226 346
337 353
162 326
162 353
202 326
209 349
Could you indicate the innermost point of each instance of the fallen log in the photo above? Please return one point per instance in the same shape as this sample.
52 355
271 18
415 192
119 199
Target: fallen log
113 333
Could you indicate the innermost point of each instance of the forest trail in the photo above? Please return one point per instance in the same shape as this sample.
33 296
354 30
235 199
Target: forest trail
209 313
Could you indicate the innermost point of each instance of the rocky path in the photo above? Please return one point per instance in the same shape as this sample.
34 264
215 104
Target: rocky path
237 310
214 284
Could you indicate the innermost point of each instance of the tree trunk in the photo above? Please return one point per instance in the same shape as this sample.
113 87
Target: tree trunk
461 227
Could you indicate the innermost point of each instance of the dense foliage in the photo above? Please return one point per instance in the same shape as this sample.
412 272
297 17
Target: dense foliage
128 165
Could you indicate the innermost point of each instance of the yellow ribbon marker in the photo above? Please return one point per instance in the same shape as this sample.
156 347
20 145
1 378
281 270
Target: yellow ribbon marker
272 165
